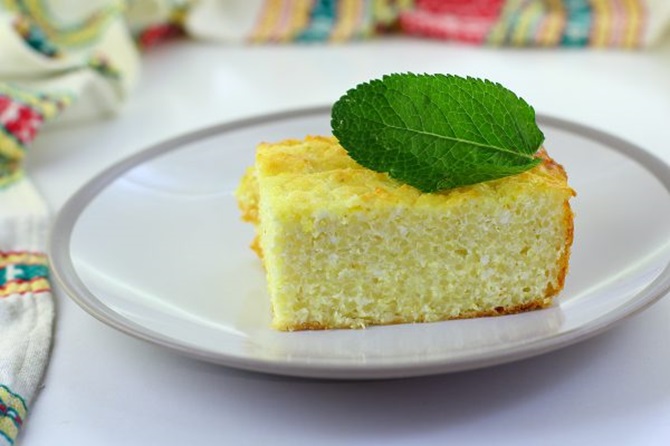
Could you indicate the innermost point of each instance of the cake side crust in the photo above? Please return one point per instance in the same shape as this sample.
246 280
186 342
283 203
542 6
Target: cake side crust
500 311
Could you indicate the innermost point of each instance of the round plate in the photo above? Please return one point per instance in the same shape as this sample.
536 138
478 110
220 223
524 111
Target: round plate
154 247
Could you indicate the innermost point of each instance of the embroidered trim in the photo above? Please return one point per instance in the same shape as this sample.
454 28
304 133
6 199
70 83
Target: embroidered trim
579 16
36 38
173 28
9 175
617 23
320 22
153 35
553 24
23 273
22 112
599 23
83 32
267 22
48 104
576 23
13 410
350 18
101 64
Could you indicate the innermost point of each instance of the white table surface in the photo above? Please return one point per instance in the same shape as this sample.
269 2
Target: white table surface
106 388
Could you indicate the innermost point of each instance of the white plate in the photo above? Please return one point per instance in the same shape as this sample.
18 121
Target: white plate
155 248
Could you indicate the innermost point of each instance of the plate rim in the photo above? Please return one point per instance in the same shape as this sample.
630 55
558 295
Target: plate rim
65 273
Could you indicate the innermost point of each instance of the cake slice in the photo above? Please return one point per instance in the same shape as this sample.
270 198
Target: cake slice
346 247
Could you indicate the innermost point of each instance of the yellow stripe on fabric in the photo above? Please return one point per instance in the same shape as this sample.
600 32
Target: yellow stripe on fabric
522 31
10 5
384 12
25 258
554 22
602 22
348 13
279 24
8 429
180 12
282 29
14 406
81 33
24 287
298 19
499 32
269 15
633 31
13 401
9 147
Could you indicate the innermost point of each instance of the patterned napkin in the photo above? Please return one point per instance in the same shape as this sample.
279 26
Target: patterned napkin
26 308
78 59
81 70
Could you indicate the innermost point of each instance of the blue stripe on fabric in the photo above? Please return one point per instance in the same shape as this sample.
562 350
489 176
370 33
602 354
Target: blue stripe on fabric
321 22
25 272
578 23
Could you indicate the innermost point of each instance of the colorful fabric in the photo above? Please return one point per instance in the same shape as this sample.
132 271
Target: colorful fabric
13 411
26 306
22 113
544 23
95 54
83 63
576 23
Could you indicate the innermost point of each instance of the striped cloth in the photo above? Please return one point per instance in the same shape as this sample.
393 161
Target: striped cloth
544 23
75 66
26 307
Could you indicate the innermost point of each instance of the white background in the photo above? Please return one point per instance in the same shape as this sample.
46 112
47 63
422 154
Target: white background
105 388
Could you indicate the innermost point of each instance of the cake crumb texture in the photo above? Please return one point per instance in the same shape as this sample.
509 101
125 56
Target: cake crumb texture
346 247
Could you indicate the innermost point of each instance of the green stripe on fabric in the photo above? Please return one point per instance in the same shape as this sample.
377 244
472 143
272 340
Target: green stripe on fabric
23 272
6 436
322 19
579 19
15 395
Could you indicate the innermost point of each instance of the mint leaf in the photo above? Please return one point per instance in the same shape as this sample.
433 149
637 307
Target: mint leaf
437 131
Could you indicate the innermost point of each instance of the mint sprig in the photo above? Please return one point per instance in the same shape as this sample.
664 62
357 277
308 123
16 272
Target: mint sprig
437 132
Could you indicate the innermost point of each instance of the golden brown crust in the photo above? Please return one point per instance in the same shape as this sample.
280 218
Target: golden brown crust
568 217
256 247
497 311
550 164
249 214
247 196
564 260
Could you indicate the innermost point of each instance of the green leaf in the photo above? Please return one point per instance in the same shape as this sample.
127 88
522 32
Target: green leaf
437 131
